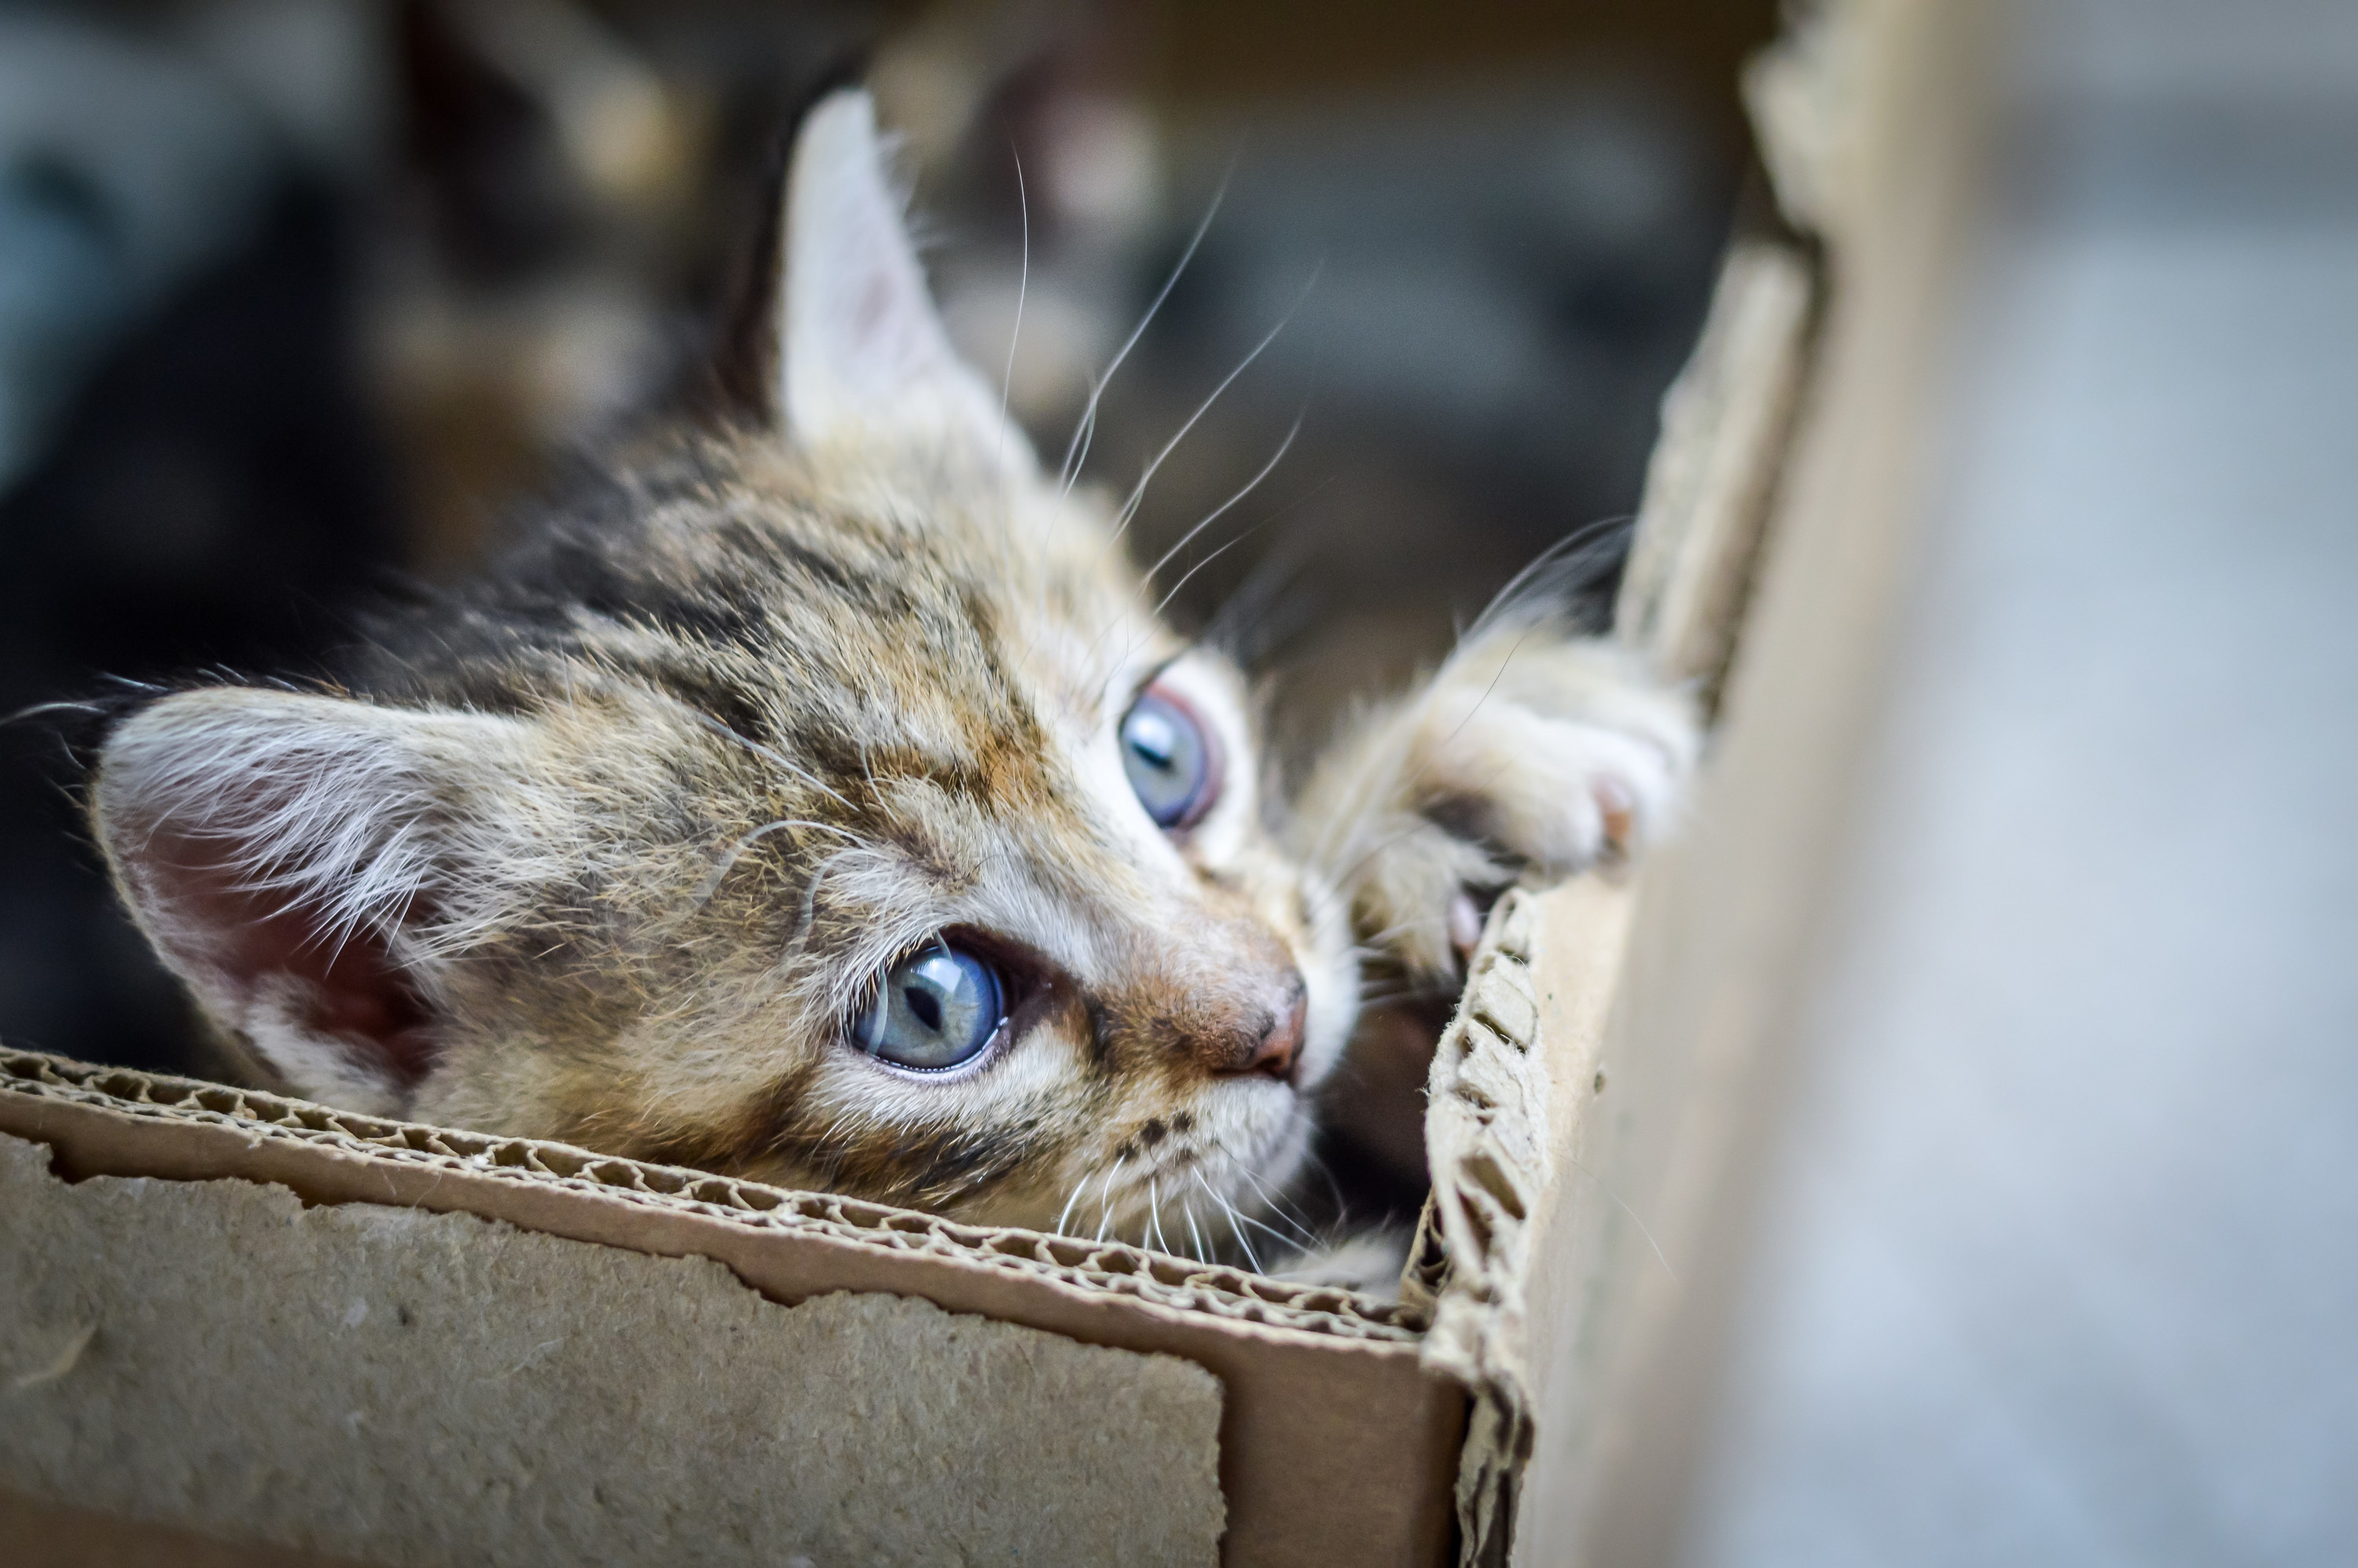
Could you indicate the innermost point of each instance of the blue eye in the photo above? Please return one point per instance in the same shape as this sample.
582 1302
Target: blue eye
936 1008
1172 763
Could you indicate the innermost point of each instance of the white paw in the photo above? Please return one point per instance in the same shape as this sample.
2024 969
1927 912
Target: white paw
1565 760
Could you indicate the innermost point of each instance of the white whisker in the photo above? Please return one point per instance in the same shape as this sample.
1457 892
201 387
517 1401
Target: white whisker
1229 1210
1154 1214
1105 1201
1023 285
1164 603
1079 1187
1276 1207
1221 510
1076 450
1138 492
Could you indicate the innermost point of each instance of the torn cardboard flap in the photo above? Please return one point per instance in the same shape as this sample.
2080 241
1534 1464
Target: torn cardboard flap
1508 1125
216 1354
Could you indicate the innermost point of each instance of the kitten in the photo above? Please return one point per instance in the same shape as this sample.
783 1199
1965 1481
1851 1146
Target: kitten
819 800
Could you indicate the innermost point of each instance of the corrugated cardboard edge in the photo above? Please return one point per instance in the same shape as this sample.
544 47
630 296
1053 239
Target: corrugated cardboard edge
1508 1121
1336 1443
219 1356
1486 1131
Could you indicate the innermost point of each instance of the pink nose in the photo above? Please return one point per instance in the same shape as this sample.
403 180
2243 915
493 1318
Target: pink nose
1280 1051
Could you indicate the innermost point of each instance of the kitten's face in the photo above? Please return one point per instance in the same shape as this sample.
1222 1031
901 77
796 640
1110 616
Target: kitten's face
833 809
884 901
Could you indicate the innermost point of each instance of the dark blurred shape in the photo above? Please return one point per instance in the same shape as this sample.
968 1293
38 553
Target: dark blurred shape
122 169
218 492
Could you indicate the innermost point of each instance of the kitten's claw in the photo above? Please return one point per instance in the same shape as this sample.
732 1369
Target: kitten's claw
1619 807
1464 923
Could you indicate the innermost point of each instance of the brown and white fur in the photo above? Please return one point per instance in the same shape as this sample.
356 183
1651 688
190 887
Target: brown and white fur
610 847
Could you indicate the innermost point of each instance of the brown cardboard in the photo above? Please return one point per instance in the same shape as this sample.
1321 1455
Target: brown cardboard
216 1354
50 1535
1323 1395
1523 1254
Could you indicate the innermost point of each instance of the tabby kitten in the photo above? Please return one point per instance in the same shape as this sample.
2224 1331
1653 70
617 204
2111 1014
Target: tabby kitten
821 801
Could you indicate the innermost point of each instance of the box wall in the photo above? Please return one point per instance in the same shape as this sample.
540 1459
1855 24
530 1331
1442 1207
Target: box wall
1334 1446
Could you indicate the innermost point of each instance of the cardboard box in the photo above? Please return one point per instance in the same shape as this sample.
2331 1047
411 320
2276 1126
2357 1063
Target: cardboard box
239 1327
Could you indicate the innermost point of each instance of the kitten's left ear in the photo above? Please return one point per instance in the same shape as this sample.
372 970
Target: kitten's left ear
860 352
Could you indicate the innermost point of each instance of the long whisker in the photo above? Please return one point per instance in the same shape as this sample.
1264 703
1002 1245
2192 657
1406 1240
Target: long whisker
1129 512
1229 1210
1567 550
1154 1216
1138 492
1076 450
1281 1238
1276 1205
1023 285
1105 1201
1164 603
1222 510
1079 1187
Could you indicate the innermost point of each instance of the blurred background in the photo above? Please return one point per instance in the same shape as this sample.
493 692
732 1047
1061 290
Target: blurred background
299 298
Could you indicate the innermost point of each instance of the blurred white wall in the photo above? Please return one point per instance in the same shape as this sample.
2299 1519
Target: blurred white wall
2062 1260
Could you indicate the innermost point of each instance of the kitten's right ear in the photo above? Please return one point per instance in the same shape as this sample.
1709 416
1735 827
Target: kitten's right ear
849 344
302 863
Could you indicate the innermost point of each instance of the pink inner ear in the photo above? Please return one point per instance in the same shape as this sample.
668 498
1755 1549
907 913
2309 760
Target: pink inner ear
351 989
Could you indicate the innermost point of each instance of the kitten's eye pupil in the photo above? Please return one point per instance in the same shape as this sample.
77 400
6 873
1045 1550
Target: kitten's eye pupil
936 1008
1171 762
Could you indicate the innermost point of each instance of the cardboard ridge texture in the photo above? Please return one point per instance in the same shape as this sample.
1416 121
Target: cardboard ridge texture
401 1386
1320 1388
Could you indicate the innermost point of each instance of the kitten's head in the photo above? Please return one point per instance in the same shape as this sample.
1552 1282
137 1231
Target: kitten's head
819 799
